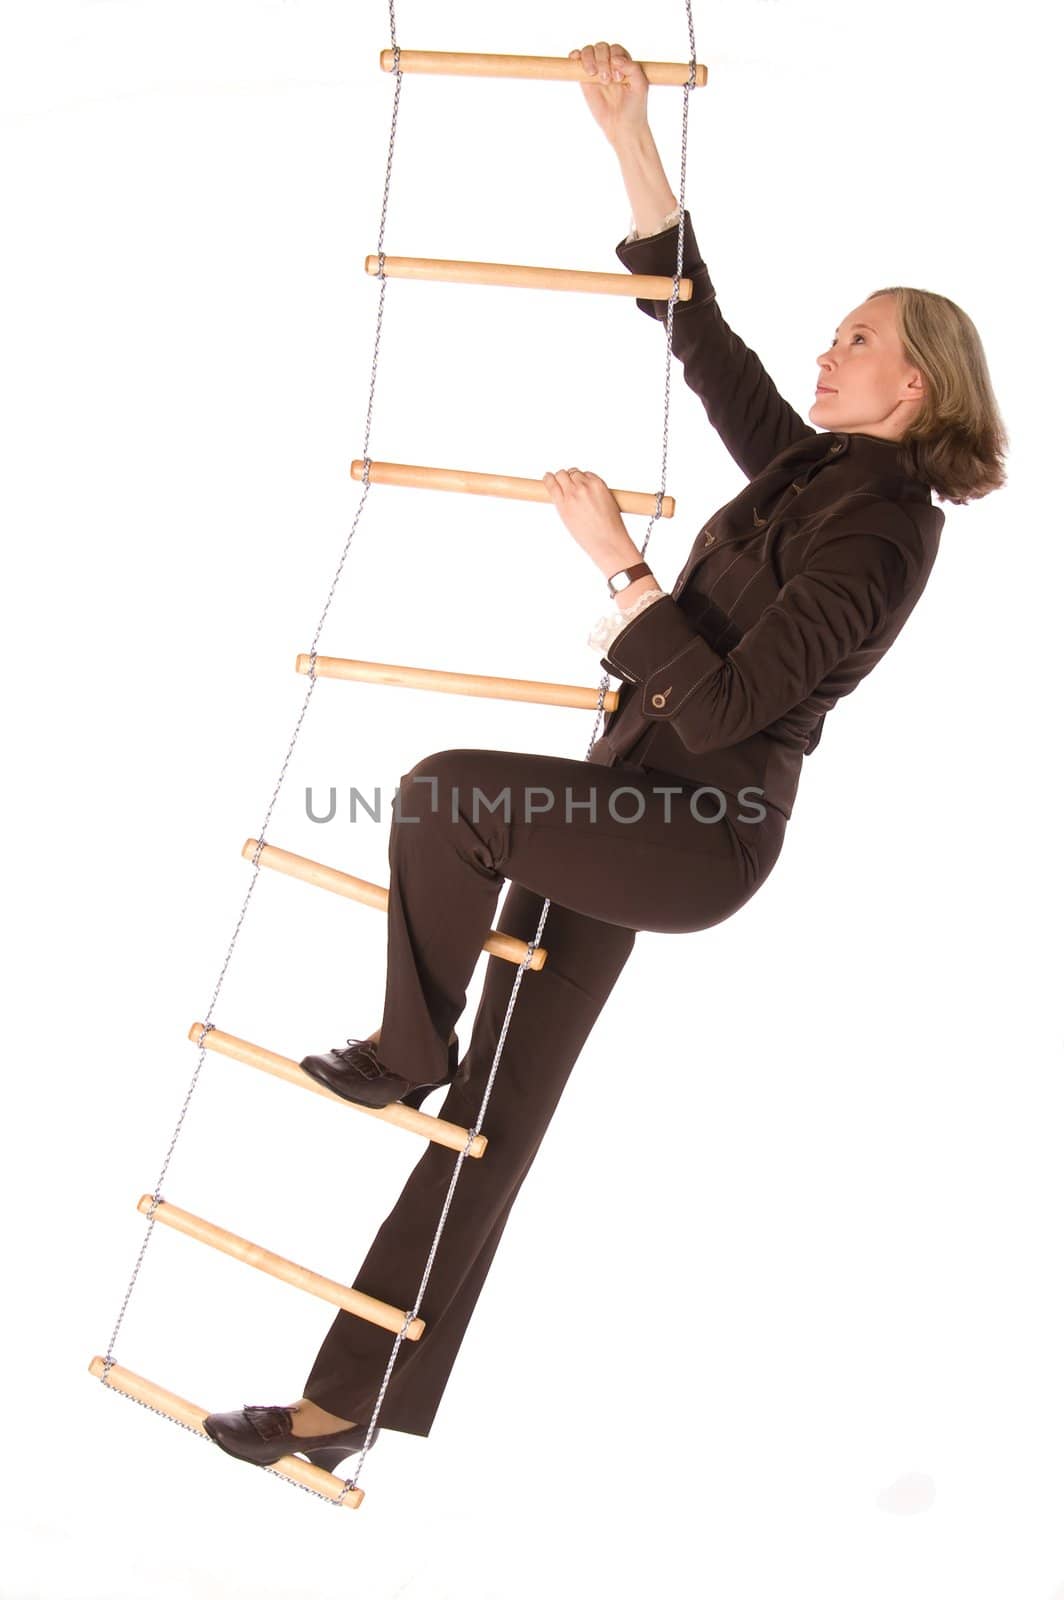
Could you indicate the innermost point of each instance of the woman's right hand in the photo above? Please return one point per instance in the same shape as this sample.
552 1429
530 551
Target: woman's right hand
615 89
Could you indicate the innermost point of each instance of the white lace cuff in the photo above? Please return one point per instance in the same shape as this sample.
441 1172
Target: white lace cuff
670 222
607 628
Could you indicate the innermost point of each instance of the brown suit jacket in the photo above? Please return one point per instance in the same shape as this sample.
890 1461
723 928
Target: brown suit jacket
727 681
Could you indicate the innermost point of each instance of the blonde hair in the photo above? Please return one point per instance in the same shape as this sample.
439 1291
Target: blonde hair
956 444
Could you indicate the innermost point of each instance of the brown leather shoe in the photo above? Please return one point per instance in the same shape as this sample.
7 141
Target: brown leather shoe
358 1074
263 1434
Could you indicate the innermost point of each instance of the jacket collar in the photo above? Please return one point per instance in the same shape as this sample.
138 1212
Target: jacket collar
868 447
864 449
876 462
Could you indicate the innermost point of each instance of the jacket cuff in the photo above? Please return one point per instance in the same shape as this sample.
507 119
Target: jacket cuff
656 254
661 652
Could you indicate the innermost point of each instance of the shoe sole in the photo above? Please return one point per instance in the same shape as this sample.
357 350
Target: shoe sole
325 1456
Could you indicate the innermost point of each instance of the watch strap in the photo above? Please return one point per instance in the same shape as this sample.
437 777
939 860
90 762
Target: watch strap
629 574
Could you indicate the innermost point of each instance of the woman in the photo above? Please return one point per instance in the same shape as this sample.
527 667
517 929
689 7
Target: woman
790 595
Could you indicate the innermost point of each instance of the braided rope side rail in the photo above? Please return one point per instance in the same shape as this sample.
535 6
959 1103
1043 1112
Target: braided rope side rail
351 1483
157 1196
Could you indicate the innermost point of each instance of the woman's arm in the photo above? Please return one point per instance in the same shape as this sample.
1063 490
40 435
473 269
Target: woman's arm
752 418
740 399
649 193
820 616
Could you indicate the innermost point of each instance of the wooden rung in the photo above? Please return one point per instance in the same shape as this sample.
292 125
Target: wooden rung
173 1406
449 1134
474 683
461 482
449 63
507 275
361 1305
373 894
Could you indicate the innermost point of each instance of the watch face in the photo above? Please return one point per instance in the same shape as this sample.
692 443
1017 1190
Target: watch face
620 580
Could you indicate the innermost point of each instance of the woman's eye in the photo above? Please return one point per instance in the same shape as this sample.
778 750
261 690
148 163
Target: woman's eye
856 336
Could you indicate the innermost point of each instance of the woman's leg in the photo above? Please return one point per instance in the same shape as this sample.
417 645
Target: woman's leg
666 871
555 1011
607 842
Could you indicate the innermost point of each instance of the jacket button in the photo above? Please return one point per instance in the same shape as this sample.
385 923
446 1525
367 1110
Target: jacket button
657 701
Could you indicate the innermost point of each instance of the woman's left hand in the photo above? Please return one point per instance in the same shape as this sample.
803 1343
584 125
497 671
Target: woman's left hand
589 511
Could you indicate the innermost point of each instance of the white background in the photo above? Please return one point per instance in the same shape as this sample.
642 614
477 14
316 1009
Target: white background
778 1310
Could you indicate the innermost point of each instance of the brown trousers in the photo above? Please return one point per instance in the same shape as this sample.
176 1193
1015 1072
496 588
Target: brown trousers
642 859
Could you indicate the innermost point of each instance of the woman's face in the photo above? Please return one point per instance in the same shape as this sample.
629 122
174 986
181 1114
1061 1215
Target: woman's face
865 385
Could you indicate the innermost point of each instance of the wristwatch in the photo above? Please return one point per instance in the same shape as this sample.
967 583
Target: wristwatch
627 575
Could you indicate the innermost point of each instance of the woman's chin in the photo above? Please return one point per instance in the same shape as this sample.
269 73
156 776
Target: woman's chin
825 412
